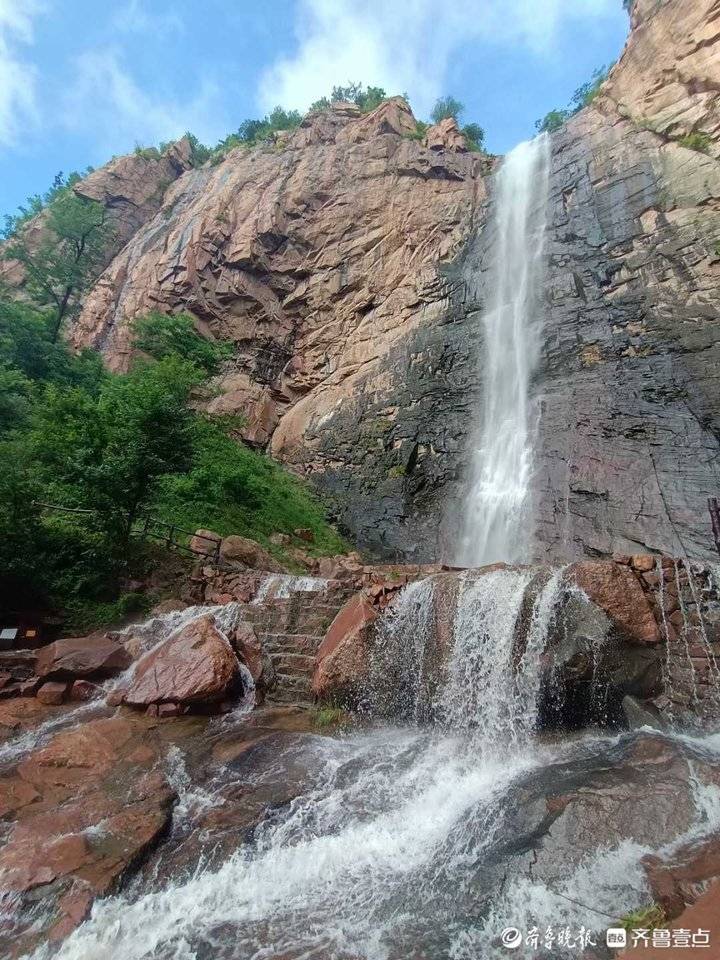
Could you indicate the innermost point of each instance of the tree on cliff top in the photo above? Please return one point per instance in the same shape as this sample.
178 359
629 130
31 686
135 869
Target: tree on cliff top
583 97
62 264
448 107
445 108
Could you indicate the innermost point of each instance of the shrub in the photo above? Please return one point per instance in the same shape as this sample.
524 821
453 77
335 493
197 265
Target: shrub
446 107
646 918
173 334
696 141
475 136
552 121
583 97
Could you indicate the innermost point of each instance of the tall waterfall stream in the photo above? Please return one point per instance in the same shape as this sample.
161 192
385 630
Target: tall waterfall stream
419 834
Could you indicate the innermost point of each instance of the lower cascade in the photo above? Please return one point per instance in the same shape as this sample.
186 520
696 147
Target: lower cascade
456 811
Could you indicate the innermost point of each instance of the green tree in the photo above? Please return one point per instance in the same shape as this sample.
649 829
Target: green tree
583 97
68 256
107 453
474 135
552 121
445 108
586 92
163 335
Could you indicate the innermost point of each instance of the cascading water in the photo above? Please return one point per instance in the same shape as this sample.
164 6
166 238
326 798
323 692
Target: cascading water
498 522
398 842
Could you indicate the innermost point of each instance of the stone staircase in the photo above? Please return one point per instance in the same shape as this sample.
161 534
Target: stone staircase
291 630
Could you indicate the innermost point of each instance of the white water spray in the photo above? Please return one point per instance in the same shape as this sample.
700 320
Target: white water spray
498 524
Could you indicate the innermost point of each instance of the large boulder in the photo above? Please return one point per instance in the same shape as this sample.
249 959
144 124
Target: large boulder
249 553
681 877
96 656
195 666
617 591
446 135
342 662
204 543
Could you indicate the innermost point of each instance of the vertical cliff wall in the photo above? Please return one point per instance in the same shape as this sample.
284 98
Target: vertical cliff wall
347 263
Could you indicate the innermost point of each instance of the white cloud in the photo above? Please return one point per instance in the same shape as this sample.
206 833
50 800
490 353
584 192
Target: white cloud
136 17
108 101
18 77
408 47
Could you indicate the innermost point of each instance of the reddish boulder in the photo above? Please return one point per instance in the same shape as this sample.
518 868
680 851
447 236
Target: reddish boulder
342 662
204 543
52 693
702 919
685 875
249 649
446 135
249 553
305 534
83 690
196 665
95 656
617 591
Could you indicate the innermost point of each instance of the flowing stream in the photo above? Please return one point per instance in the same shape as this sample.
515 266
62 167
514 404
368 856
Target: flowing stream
498 518
418 840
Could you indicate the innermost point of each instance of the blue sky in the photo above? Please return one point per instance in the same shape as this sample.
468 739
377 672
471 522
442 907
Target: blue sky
81 80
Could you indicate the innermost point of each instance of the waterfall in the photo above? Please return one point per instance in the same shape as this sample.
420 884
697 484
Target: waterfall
498 521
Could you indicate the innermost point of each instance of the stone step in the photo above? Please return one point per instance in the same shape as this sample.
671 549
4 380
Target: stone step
293 664
297 643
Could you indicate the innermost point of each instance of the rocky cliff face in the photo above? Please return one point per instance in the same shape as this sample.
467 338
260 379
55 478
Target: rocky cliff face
347 263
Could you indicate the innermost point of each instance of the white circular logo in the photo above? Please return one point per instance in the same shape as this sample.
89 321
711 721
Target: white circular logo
511 938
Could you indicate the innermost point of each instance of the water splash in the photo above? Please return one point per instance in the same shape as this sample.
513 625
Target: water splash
281 586
497 523
397 685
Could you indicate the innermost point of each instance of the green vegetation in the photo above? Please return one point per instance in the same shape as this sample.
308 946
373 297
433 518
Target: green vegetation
113 447
646 918
447 107
397 471
367 99
583 97
110 448
64 254
324 717
255 132
696 141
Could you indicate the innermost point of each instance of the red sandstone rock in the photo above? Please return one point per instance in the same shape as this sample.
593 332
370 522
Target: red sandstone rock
166 710
197 665
342 658
249 553
703 915
204 543
249 649
94 656
304 534
617 591
52 692
446 135
681 879
83 690
643 562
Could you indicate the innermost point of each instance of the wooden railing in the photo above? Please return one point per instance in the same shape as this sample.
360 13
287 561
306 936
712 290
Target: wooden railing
151 528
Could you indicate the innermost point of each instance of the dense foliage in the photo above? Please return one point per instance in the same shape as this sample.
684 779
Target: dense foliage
63 252
583 97
112 448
